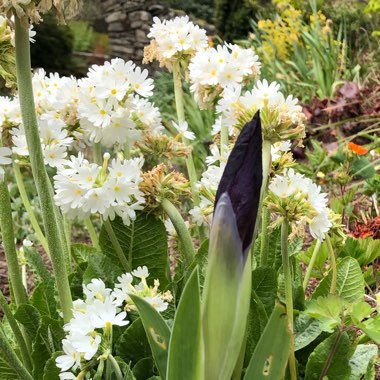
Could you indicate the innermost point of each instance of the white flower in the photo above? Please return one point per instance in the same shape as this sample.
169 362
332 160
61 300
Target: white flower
96 290
182 129
157 302
320 225
105 315
4 159
27 243
280 147
70 359
141 272
87 344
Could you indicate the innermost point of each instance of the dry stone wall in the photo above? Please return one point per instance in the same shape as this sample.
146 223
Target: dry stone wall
129 22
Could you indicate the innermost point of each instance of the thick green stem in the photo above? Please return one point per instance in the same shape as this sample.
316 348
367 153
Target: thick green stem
67 228
97 152
6 226
178 93
12 359
116 368
311 264
182 230
49 215
28 207
24 350
116 245
288 293
264 247
332 263
92 232
223 139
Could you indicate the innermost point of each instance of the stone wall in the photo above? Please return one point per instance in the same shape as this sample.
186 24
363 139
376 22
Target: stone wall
129 22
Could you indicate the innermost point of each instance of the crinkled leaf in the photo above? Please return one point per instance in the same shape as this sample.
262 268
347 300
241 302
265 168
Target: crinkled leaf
361 360
306 330
339 368
30 317
264 283
349 284
144 242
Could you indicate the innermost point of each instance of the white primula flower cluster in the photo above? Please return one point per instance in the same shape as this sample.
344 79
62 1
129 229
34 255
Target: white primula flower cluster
176 36
208 185
83 188
212 70
89 331
150 294
282 118
278 148
112 108
300 200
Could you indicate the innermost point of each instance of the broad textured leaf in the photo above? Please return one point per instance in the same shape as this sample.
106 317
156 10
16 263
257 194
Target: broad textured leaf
185 346
363 167
41 352
6 372
40 301
51 371
339 368
156 330
350 282
82 252
364 250
306 330
361 360
272 351
143 369
264 284
100 266
30 317
34 260
133 345
372 328
257 320
144 242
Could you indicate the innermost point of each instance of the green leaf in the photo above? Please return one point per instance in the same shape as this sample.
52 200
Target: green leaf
156 330
372 328
82 252
359 310
51 371
34 260
362 167
133 345
272 351
319 265
306 330
143 369
361 360
100 266
185 347
350 282
39 300
364 250
264 284
41 352
336 347
257 320
144 242
6 372
327 310
30 317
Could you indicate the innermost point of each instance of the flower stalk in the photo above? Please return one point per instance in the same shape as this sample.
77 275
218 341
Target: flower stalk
181 229
28 207
49 215
333 264
178 93
92 232
311 263
116 368
288 292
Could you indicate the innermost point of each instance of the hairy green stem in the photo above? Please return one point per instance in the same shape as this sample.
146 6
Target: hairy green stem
264 247
44 190
12 359
333 264
24 350
97 152
182 230
28 207
116 368
178 93
223 139
67 228
288 293
92 232
116 245
10 251
311 264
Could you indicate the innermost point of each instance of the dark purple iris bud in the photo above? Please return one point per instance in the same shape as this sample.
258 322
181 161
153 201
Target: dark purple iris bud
242 179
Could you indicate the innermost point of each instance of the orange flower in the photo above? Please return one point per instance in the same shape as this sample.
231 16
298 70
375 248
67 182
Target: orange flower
358 149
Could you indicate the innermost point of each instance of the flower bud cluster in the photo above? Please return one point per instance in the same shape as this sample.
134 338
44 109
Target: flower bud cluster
83 188
212 70
296 198
173 39
282 118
